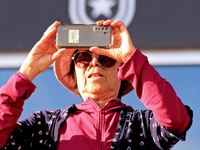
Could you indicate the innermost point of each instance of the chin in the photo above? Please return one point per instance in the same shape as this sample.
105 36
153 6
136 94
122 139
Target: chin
96 90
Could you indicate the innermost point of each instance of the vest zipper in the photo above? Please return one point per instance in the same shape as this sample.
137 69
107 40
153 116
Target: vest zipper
100 131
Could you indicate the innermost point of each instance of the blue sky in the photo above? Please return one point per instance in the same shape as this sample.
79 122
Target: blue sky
50 95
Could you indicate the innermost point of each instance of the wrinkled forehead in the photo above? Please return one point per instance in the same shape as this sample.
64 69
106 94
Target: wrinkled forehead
85 50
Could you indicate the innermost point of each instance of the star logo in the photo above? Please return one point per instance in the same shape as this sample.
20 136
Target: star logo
101 7
122 10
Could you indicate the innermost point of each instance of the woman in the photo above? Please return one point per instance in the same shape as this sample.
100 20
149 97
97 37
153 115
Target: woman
101 77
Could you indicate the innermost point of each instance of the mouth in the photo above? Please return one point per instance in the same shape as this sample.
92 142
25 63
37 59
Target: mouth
94 76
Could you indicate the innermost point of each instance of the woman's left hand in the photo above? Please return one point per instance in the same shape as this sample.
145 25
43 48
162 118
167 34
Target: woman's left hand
121 45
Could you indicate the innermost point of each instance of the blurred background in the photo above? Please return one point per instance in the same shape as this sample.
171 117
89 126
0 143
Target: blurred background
168 32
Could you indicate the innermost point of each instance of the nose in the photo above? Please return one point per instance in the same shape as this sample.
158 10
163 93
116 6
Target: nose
94 61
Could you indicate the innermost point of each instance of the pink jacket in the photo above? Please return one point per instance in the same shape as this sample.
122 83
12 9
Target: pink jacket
89 120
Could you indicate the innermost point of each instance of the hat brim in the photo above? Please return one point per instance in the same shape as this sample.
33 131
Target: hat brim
62 69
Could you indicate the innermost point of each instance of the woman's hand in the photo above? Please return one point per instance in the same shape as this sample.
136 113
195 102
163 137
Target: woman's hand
42 55
121 46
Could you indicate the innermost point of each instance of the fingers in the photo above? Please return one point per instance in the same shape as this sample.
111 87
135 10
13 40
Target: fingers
50 33
105 23
117 26
55 24
100 23
52 26
110 22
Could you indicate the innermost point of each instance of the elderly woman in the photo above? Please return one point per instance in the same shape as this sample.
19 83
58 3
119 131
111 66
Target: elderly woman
101 77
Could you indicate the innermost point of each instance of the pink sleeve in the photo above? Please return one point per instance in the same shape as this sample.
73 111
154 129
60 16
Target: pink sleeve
12 97
155 93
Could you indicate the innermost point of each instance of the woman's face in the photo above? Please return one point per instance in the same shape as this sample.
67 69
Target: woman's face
98 82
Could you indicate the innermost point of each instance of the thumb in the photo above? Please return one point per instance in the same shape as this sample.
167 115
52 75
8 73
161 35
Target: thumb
58 54
101 51
112 53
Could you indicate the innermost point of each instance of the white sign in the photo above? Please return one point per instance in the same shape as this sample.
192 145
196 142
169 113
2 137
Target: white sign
78 14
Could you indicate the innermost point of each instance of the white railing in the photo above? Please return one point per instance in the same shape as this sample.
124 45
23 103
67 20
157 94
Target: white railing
156 57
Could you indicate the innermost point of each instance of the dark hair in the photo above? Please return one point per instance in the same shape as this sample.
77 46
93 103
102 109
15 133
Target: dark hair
119 97
72 71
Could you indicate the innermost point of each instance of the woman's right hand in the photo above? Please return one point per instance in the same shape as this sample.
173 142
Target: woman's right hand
43 54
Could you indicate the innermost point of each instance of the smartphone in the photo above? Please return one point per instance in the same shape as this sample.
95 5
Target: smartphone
83 36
